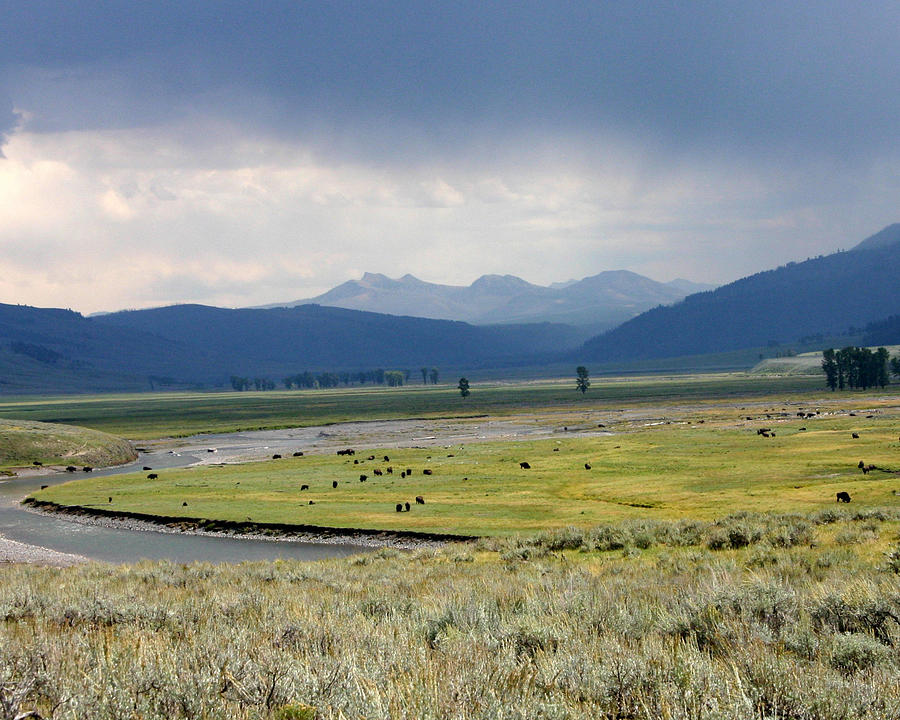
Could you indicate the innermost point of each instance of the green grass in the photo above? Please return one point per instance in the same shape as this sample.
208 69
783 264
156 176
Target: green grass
645 469
150 415
23 442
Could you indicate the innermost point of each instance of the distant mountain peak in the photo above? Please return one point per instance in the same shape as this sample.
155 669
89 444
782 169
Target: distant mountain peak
883 238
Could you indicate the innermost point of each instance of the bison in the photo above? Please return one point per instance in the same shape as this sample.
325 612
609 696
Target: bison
347 451
152 476
299 453
855 436
276 456
407 506
386 458
44 487
147 467
37 463
87 468
71 468
389 470
334 483
376 471
843 496
399 507
363 478
426 471
587 466
304 487
408 472
420 500
525 466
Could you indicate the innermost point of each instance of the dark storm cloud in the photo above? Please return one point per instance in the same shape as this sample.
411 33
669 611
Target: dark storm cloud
780 79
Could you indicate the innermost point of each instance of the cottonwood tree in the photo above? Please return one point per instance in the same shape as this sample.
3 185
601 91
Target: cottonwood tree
463 387
582 382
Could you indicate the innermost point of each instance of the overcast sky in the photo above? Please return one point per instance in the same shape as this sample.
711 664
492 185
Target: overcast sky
236 153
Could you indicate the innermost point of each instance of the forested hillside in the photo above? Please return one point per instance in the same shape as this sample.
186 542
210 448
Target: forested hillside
825 295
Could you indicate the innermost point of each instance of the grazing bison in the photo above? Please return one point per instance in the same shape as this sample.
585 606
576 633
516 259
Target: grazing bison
152 476
334 483
184 504
420 500
386 458
802 429
399 507
276 456
376 471
356 462
426 471
406 505
44 487
389 470
71 468
525 466
843 496
371 457
555 449
304 487
587 466
855 436
763 431
299 453
363 478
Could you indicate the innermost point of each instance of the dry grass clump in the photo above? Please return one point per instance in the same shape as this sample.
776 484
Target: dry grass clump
545 627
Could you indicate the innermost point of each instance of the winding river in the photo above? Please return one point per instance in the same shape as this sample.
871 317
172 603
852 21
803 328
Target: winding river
120 545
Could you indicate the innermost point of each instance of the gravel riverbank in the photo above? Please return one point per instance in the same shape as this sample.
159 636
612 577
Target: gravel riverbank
12 551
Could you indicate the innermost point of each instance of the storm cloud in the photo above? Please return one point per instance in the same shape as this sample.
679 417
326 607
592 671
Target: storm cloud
311 141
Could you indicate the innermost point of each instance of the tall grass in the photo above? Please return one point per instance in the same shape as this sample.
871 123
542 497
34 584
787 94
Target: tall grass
659 625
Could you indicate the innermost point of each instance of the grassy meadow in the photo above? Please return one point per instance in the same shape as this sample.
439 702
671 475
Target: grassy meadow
23 442
700 461
153 415
748 617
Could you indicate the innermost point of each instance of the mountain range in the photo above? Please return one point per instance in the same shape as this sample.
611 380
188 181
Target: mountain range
599 302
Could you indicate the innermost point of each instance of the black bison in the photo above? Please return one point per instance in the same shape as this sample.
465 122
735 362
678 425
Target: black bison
525 466
334 483
363 478
87 468
44 487
426 471
420 500
855 436
403 473
399 507
312 502
386 458
298 454
406 505
348 451
555 449
843 496
587 466
147 467
763 431
152 476
802 429
408 472
37 462
389 470
371 457
356 462
376 471
71 468
276 456
861 465
184 504
109 499
304 487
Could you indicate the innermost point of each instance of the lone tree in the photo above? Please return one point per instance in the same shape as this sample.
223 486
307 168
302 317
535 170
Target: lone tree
464 387
582 382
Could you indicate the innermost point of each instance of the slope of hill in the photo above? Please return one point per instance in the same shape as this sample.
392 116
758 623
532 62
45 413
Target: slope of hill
601 301
824 295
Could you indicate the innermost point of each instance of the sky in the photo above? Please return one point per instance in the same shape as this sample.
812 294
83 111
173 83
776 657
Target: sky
236 154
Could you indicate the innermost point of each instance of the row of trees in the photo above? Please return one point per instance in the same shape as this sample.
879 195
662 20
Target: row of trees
309 380
858 367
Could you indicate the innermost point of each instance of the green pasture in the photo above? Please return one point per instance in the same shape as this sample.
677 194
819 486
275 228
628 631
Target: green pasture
151 415
23 442
674 468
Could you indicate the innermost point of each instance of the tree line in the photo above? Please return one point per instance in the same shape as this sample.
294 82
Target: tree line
310 380
858 367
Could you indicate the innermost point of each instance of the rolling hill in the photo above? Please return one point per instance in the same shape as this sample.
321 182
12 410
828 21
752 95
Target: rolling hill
825 295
